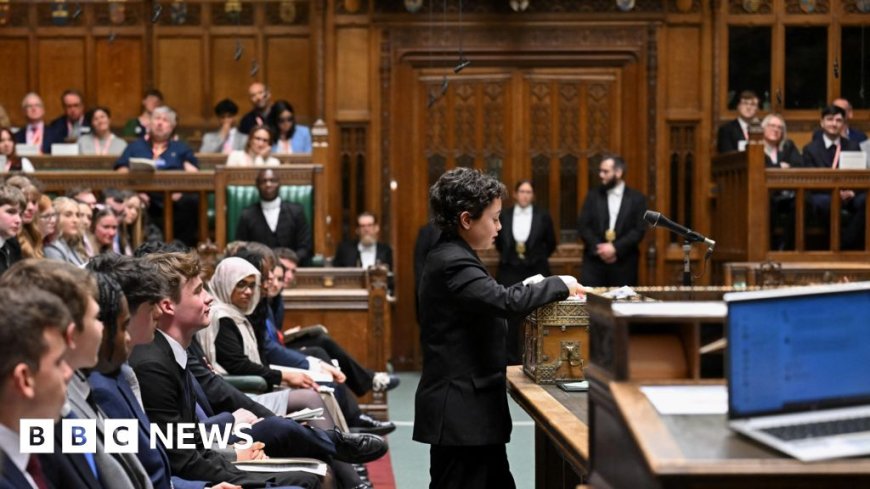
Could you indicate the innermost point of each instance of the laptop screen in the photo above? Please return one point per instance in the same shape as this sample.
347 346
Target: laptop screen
798 349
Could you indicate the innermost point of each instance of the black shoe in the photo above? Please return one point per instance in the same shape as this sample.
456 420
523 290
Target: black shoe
366 424
358 448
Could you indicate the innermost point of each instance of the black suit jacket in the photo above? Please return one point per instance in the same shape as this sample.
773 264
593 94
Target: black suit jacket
347 254
291 232
630 226
21 137
168 397
729 137
462 396
787 154
816 155
13 252
539 246
60 129
249 120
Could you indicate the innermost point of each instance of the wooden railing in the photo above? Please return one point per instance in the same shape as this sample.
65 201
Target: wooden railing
741 209
203 183
207 161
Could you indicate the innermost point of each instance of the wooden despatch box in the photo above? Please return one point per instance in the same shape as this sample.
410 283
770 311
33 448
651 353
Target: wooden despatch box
556 342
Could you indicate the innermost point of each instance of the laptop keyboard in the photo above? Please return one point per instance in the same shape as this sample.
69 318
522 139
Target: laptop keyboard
818 430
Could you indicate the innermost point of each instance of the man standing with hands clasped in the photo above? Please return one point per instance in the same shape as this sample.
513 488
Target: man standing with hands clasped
611 226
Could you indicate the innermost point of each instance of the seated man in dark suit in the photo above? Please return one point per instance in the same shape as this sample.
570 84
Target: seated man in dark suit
850 133
168 391
12 203
73 123
367 251
34 133
273 222
824 152
33 376
733 135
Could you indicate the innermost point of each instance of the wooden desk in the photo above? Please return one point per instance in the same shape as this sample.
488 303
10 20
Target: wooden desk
353 304
561 432
645 449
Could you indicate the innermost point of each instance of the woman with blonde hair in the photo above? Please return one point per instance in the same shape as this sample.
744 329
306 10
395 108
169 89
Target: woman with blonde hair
68 244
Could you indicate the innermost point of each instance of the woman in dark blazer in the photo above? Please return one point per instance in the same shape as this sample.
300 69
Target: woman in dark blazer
461 402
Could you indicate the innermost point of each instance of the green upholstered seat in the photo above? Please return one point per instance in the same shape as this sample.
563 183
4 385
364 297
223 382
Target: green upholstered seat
241 196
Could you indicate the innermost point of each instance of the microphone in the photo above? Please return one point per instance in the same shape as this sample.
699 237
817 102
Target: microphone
654 219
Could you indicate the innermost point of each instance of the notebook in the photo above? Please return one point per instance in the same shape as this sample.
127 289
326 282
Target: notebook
797 369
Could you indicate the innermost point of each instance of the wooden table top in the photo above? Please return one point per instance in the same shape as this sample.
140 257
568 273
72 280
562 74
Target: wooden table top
563 416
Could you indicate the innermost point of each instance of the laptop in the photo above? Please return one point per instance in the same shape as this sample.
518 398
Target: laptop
797 368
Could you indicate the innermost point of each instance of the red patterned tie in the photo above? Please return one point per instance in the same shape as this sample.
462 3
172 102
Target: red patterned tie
34 468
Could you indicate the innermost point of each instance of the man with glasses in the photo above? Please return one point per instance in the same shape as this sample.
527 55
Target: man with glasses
734 134
33 134
72 124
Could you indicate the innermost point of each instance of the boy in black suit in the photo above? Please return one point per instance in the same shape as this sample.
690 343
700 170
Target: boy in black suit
461 402
734 134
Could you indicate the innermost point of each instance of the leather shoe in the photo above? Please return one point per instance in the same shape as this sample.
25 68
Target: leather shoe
358 448
366 424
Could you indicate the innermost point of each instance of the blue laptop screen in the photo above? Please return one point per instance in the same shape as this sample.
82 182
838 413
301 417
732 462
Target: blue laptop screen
798 352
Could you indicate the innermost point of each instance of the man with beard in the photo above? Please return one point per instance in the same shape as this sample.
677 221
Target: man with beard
611 226
366 251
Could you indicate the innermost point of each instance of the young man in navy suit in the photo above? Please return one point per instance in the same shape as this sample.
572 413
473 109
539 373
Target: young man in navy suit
33 376
734 134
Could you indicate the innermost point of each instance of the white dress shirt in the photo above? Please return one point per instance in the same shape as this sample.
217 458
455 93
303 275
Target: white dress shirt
271 209
367 255
522 223
614 201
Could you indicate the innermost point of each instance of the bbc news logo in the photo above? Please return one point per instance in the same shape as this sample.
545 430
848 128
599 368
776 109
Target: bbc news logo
122 436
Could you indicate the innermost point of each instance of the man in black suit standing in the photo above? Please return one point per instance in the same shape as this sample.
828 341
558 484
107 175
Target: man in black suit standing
611 226
824 152
461 407
367 251
273 222
168 393
733 135
525 243
12 203
73 123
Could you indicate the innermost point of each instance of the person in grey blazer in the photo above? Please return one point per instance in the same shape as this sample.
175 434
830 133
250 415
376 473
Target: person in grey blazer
228 138
65 246
100 141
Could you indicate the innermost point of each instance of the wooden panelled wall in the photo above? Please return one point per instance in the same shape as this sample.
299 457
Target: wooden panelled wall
196 53
547 91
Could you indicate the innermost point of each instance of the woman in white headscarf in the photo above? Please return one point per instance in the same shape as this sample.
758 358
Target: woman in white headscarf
231 343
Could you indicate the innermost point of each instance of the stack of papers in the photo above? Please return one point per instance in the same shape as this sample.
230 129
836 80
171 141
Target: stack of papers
306 414
283 465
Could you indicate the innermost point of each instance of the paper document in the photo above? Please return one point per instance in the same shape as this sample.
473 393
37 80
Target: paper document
687 399
853 160
317 376
283 465
306 414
